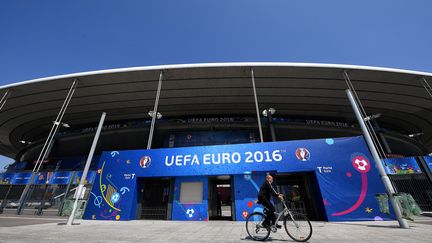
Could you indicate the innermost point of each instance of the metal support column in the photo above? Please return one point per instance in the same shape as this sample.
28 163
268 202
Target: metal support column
271 125
269 114
86 169
368 124
385 179
426 85
46 147
381 135
256 106
155 112
4 99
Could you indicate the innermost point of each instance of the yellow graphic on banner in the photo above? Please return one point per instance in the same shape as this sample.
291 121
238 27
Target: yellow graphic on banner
110 190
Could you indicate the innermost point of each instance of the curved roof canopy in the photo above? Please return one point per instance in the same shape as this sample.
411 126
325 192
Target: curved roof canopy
294 89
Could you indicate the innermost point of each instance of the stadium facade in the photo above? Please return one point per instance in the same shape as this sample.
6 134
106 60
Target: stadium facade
219 129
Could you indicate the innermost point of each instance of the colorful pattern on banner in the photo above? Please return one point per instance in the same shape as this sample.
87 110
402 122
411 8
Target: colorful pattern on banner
346 176
246 198
6 178
399 166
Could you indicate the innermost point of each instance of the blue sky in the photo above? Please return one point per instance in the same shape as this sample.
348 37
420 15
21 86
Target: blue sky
44 38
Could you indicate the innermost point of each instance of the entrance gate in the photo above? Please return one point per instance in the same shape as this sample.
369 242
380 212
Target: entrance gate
155 198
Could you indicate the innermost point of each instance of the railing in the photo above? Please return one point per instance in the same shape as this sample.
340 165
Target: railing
418 186
154 212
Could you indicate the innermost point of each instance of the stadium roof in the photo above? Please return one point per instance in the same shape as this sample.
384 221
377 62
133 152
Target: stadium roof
294 89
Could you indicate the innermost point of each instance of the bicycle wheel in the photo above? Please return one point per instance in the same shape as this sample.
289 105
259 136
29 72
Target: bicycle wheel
298 227
254 226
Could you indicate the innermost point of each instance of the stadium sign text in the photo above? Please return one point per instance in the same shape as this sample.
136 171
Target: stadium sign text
223 158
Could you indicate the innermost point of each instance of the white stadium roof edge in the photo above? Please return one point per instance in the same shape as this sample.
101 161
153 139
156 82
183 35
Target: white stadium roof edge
212 89
227 64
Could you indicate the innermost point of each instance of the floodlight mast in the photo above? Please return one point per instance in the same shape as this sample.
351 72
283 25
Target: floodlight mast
385 179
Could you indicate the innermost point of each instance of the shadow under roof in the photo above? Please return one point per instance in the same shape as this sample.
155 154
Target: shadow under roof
294 89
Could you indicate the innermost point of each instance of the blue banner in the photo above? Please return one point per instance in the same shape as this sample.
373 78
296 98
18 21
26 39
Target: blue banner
61 177
42 178
22 178
400 166
90 177
347 178
45 177
428 160
190 211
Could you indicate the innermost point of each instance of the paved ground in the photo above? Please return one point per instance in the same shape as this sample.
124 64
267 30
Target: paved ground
19 221
47 229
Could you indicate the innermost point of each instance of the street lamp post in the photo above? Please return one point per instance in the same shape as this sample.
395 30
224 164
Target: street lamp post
256 105
152 127
268 113
155 110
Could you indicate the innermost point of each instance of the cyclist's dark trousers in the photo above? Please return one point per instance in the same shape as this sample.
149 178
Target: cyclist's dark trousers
271 210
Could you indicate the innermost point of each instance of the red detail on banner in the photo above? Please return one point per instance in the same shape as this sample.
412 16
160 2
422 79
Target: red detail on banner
361 164
360 199
43 161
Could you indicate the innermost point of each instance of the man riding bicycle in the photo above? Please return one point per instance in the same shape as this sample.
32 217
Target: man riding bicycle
264 198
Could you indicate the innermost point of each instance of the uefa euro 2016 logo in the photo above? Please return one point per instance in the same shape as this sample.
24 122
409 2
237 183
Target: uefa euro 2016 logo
302 154
145 161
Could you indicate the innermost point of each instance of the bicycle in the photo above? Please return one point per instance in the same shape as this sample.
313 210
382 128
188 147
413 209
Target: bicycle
296 225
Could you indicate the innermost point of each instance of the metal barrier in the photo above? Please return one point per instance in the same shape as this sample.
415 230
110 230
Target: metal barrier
154 212
418 186
9 197
46 199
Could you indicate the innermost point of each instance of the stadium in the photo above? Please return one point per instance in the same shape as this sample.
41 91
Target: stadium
194 141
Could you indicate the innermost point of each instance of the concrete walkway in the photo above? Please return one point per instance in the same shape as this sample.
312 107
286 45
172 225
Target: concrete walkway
215 231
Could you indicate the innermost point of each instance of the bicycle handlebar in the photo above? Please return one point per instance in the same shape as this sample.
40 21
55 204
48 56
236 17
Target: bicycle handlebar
283 201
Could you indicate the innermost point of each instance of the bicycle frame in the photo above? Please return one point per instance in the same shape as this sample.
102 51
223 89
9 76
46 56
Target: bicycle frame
285 212
253 226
